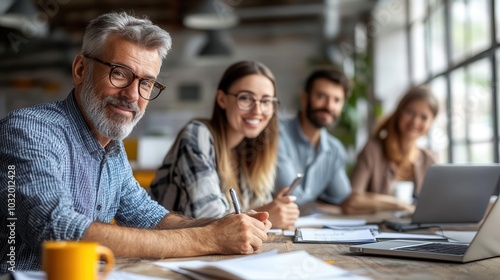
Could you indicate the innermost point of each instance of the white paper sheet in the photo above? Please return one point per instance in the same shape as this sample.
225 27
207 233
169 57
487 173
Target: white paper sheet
324 220
113 275
372 227
293 265
320 235
276 231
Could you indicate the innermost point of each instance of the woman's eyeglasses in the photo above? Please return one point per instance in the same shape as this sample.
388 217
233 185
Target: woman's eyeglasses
246 102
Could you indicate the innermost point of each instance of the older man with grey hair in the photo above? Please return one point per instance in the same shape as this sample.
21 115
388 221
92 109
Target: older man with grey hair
69 172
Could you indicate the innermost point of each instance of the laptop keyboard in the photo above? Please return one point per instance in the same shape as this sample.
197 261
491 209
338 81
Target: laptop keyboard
439 248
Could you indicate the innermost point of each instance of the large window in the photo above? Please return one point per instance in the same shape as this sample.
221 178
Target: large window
436 31
456 52
438 136
418 52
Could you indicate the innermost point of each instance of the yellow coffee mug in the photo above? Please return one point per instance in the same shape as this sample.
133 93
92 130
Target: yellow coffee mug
75 260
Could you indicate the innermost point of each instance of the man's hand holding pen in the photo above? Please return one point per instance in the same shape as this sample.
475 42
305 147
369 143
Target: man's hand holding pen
241 233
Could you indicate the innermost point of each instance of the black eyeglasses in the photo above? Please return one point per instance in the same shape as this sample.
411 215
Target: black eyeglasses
246 102
122 77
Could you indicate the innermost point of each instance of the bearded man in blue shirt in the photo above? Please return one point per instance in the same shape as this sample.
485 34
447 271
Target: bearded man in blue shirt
306 147
72 176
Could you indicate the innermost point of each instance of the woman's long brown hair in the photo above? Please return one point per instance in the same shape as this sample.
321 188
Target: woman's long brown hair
257 157
389 127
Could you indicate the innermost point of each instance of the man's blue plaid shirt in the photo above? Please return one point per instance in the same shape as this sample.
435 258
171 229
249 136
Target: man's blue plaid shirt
64 181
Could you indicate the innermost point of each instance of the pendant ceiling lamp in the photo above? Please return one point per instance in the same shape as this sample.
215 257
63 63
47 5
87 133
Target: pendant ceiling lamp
23 15
211 15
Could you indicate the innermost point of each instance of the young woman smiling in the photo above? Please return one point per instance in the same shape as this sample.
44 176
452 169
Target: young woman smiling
236 148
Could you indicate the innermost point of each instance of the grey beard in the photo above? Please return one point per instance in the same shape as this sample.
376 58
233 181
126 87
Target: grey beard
117 127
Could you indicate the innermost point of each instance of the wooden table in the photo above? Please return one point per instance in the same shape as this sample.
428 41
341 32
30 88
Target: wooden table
371 266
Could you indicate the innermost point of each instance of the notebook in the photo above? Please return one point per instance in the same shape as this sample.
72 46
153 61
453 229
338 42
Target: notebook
452 194
486 244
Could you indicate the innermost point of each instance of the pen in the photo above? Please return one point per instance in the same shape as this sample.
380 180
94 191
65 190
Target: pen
236 202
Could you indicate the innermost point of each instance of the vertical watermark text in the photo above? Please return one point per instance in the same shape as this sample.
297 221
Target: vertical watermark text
11 218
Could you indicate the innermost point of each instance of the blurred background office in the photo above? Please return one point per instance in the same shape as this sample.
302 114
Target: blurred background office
384 46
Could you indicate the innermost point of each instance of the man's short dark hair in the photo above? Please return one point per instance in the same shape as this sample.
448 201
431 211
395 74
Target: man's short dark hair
333 75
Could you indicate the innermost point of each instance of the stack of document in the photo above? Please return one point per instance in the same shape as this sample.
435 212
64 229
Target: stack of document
323 235
371 227
269 265
319 219
356 235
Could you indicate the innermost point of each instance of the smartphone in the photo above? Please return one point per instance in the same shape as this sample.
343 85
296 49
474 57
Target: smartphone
294 184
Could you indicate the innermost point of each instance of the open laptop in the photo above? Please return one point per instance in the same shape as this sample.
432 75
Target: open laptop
486 244
452 194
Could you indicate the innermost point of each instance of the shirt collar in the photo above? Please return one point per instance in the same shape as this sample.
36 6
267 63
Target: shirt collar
88 140
323 135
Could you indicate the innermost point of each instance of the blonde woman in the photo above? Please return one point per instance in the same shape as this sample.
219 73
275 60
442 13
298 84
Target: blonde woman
392 155
236 148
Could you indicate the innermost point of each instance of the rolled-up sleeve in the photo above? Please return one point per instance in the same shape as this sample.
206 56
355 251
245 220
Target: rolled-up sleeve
136 208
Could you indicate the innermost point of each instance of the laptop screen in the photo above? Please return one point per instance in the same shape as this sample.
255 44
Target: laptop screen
454 193
497 189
